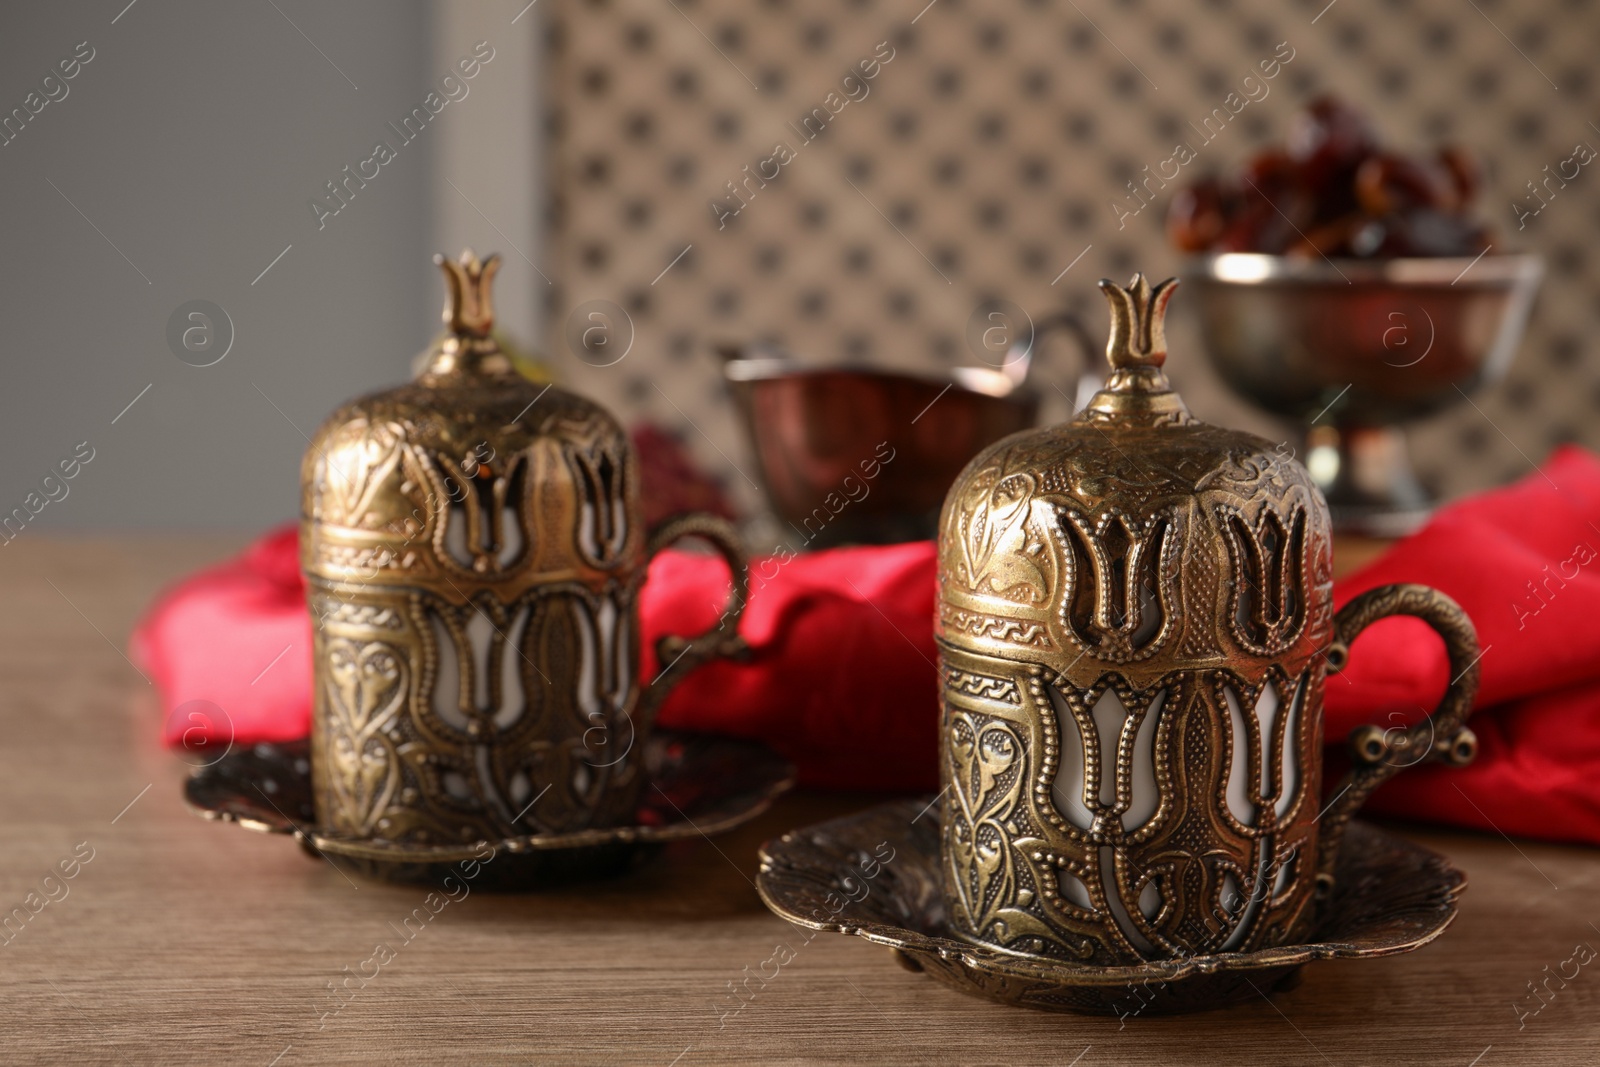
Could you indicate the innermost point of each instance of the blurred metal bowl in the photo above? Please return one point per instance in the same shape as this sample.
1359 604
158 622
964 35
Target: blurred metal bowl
856 456
1351 348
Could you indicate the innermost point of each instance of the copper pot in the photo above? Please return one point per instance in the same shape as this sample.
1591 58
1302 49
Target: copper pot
853 455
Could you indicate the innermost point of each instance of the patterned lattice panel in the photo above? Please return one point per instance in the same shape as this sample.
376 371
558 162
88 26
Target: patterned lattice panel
986 154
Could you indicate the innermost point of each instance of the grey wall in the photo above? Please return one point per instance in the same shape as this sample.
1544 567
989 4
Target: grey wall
192 142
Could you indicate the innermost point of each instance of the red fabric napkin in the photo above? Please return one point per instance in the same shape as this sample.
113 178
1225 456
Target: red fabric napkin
843 681
1524 562
236 636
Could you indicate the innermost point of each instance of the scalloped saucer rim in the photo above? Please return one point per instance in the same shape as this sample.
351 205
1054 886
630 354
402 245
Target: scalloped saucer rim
767 775
1018 978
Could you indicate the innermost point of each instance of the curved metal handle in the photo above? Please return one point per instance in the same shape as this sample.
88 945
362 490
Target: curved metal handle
1067 320
676 655
1379 754
1092 360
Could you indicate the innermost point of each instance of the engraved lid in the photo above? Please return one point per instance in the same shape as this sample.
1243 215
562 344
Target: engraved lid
1134 534
470 477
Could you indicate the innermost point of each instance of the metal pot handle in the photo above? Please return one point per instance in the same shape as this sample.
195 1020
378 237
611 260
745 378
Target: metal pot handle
676 655
1093 363
1379 754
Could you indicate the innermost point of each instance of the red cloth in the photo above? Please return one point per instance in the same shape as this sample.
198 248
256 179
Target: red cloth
843 679
1524 562
214 637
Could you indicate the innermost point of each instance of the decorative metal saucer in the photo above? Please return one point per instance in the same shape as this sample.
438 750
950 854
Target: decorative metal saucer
1390 896
698 784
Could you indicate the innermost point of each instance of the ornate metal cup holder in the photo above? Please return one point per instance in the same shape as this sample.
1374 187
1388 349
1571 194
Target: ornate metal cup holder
697 784
1390 896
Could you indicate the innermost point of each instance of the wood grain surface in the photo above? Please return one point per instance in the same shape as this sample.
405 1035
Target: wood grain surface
182 941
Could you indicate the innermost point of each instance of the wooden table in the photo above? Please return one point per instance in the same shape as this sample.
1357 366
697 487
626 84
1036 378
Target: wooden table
183 941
